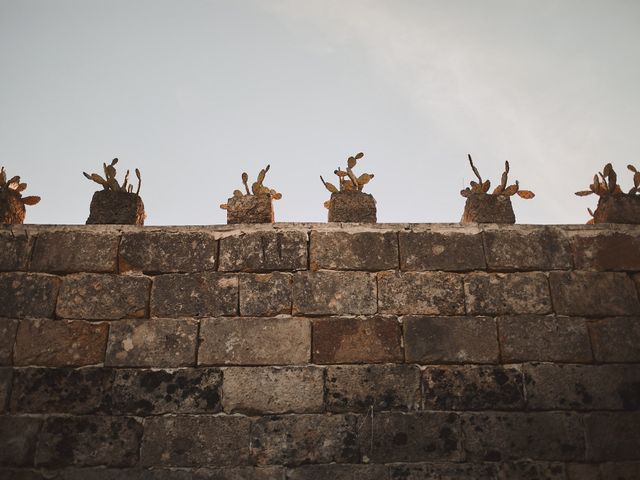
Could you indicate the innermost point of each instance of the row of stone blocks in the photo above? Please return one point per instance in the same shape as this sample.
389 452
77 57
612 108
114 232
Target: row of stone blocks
516 248
422 340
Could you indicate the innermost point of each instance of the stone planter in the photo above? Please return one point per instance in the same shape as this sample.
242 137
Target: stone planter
123 208
618 209
485 208
354 207
250 209
12 210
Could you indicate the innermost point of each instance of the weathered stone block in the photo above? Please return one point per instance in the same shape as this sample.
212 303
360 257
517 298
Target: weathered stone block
59 343
328 293
169 473
582 387
617 471
449 251
584 471
28 295
354 251
497 437
8 329
485 208
297 439
61 390
544 339
264 251
338 472
6 376
527 470
185 441
250 209
18 440
433 340
420 293
618 209
93 296
613 436
473 387
123 208
152 343
166 252
254 341
543 248
593 294
75 251
444 471
507 293
194 295
616 339
265 294
604 251
15 249
22 474
356 207
413 437
358 388
87 440
260 390
357 340
143 392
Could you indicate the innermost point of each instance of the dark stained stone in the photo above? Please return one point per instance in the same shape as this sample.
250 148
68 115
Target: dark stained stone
228 473
584 471
61 390
338 472
606 251
618 471
616 339
194 295
260 390
518 249
433 340
152 343
593 294
449 251
59 343
420 293
121 208
473 387
167 252
500 436
300 439
6 375
358 388
582 387
485 208
15 249
507 293
353 251
613 436
250 209
94 296
263 251
329 293
18 437
195 441
8 329
527 470
411 437
355 207
357 340
266 294
75 251
443 471
23 474
89 440
544 338
254 341
144 392
28 295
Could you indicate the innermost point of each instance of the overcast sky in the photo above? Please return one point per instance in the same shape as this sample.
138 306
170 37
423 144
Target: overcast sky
195 92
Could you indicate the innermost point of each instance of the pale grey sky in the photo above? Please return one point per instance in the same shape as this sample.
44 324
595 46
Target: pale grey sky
195 92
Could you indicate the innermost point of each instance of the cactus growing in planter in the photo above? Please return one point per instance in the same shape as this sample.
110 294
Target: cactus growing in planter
253 206
115 203
349 203
484 207
12 203
614 206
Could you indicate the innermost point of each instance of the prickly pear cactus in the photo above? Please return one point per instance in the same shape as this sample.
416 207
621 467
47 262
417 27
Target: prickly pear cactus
502 189
12 203
347 179
257 188
109 182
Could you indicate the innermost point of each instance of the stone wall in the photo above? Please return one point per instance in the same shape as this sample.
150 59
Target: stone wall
320 351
